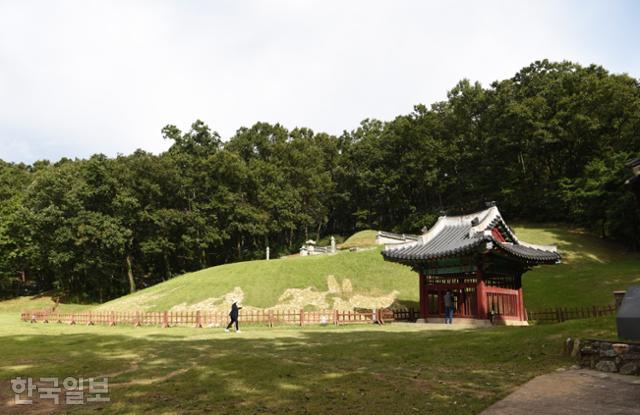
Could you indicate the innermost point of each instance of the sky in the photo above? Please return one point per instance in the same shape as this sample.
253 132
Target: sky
84 77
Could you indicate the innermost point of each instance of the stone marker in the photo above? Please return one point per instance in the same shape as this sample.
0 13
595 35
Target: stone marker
628 316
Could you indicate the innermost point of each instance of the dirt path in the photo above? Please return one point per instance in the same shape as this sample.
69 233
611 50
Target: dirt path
570 392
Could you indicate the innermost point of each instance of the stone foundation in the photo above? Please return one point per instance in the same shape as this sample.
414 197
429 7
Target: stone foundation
607 356
471 322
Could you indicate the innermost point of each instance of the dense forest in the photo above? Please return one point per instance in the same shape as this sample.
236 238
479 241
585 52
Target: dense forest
549 144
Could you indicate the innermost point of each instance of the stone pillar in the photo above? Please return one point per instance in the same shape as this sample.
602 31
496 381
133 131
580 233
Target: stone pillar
267 253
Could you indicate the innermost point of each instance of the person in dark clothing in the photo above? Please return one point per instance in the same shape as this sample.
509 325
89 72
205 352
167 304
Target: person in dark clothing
233 314
448 307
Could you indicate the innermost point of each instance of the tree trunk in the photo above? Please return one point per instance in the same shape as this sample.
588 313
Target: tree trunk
132 283
524 169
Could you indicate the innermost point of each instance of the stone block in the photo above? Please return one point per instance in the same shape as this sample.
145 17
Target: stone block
568 346
575 351
631 356
605 346
608 353
606 366
620 348
630 368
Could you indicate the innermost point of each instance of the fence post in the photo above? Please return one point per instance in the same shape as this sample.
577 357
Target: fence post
90 322
165 319
270 322
301 317
198 322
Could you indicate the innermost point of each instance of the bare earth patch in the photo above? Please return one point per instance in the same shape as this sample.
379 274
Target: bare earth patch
573 392
338 296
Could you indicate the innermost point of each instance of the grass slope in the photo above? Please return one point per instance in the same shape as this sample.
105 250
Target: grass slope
263 282
590 271
360 239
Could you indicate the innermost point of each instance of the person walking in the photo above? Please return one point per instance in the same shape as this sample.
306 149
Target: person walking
448 307
233 314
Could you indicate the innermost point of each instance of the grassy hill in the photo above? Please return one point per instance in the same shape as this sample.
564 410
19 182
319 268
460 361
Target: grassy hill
590 271
360 239
264 282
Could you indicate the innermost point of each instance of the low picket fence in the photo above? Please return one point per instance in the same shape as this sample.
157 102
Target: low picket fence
271 318
560 314
210 319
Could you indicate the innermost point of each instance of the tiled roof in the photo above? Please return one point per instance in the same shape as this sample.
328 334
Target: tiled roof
459 235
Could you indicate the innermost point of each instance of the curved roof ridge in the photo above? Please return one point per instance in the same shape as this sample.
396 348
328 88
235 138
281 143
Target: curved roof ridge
461 235
484 217
552 248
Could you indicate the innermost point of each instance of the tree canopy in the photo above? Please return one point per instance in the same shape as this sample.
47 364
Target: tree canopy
549 144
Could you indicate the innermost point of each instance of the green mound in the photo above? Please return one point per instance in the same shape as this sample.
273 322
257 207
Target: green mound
264 282
590 271
360 239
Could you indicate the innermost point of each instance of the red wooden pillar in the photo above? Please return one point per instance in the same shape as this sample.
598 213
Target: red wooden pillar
481 294
423 296
521 305
481 300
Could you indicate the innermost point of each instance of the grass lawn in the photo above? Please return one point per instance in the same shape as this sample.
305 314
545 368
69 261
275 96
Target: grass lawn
397 368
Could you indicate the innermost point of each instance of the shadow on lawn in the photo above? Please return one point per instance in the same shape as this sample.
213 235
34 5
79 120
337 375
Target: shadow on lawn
333 371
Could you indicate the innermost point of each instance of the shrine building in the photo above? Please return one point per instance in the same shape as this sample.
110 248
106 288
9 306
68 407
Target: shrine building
479 259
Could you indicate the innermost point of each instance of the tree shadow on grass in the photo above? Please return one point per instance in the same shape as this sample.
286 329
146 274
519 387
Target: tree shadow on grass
332 371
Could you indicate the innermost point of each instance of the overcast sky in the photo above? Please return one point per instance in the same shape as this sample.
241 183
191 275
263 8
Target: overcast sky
83 77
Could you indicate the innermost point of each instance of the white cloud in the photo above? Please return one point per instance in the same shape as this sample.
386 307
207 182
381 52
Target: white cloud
79 77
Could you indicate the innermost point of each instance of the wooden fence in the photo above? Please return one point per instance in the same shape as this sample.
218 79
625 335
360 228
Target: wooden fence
409 314
279 317
210 319
559 314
